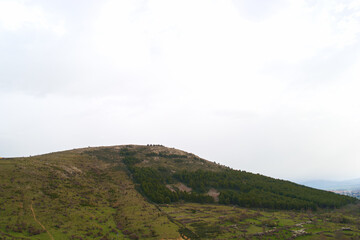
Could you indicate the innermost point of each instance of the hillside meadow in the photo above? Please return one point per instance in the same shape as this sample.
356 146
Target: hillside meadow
100 193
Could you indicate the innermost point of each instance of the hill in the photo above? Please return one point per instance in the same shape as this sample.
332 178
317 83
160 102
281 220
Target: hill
132 192
160 171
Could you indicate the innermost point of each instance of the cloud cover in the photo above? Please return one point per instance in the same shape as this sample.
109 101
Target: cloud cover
268 87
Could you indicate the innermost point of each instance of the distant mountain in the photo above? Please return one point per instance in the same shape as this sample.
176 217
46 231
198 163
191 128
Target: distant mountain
353 184
120 192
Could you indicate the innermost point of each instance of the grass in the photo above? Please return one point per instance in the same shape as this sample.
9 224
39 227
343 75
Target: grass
240 223
78 195
75 197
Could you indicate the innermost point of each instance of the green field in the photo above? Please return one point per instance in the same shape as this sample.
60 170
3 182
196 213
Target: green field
211 221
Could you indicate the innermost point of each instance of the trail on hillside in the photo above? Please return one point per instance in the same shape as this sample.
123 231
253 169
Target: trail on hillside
43 227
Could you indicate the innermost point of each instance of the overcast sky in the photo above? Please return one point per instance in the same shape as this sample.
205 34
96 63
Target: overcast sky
270 87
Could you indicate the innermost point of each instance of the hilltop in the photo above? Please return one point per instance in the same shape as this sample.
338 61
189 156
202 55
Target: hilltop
134 191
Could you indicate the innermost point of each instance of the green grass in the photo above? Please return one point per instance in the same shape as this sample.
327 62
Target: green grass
81 195
235 223
75 197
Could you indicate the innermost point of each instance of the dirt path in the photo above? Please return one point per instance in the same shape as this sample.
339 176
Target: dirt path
43 227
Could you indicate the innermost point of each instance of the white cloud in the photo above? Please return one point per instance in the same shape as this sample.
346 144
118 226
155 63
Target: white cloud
214 30
204 42
17 15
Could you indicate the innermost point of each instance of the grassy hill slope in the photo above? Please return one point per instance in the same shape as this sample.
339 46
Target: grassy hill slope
119 193
74 196
160 171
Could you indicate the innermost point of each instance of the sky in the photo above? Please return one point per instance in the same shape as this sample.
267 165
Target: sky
269 87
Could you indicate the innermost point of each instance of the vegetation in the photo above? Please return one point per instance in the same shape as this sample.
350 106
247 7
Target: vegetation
153 186
75 196
254 190
236 187
154 192
214 221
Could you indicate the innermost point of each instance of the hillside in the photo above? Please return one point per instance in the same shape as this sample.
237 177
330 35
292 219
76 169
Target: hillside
136 192
159 172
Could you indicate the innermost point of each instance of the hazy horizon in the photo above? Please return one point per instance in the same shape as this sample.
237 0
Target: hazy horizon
268 87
